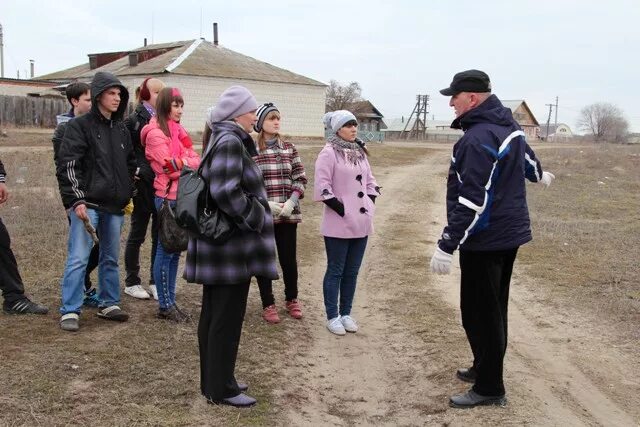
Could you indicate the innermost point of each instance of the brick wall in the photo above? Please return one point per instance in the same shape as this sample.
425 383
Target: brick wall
302 106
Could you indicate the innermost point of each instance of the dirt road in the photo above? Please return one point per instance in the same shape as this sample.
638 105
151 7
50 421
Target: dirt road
399 368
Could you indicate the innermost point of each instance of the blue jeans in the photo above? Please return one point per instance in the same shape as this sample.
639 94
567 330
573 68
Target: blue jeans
165 269
108 227
344 257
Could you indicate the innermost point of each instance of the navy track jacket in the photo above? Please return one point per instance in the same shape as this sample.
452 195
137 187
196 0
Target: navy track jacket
486 195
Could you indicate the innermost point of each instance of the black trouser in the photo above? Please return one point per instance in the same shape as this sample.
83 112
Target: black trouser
10 280
286 244
484 298
223 309
94 258
137 233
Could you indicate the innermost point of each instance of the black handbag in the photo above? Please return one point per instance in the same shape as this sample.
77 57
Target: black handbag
196 211
172 237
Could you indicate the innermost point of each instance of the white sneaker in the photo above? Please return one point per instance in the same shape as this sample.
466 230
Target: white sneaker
335 326
154 292
349 323
137 291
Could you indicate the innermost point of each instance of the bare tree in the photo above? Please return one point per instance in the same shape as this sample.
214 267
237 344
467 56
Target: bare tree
604 121
341 97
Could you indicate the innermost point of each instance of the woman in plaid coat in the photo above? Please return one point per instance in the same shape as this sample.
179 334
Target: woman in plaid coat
285 180
237 187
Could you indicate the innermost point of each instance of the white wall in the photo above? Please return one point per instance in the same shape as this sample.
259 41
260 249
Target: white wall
301 106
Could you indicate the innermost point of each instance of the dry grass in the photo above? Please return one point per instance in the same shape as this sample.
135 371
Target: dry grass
587 233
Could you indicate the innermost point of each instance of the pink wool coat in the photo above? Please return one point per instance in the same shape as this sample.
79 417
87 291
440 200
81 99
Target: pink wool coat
351 184
158 147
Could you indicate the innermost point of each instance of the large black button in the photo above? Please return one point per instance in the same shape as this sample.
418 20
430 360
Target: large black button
359 178
363 210
360 194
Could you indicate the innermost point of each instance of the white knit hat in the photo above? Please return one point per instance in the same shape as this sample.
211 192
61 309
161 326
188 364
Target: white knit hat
334 120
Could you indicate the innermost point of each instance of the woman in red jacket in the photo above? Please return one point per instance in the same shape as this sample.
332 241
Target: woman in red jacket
168 148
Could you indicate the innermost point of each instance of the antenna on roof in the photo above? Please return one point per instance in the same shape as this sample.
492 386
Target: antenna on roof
200 21
215 34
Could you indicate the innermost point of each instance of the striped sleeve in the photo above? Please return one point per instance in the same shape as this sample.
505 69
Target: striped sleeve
69 169
532 166
3 173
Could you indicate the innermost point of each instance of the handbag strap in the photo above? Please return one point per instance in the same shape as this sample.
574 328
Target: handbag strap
205 158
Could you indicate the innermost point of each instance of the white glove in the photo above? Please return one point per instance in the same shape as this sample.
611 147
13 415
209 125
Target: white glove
441 262
276 208
287 208
547 178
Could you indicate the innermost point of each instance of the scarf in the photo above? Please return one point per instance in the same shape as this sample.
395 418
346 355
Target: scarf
351 151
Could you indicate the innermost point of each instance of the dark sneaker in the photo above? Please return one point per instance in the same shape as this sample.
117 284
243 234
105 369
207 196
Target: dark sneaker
471 399
113 313
24 306
70 322
91 298
186 316
467 374
172 314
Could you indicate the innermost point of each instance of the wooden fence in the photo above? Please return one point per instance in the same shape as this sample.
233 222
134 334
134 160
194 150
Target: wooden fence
31 111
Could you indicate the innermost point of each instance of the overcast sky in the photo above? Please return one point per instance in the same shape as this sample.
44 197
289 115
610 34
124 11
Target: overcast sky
582 51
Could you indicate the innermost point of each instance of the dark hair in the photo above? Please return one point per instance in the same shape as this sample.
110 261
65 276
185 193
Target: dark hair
361 145
76 90
166 97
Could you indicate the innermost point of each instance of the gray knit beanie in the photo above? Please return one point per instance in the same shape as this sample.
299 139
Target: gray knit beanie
234 101
334 120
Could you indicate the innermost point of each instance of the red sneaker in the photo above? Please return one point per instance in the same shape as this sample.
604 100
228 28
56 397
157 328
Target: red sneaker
270 314
294 309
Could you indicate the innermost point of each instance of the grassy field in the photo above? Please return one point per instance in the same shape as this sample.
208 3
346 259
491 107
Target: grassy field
587 234
145 372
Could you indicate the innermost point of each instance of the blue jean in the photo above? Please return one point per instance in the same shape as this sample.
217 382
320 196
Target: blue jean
79 245
344 257
165 269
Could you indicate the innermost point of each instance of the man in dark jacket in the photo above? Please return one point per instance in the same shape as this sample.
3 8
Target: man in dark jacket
144 202
488 220
95 171
79 97
15 301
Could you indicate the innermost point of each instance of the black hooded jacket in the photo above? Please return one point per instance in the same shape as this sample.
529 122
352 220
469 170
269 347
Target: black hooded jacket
96 161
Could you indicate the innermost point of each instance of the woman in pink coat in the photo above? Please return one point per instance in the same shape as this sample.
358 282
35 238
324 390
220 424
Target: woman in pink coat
168 148
344 182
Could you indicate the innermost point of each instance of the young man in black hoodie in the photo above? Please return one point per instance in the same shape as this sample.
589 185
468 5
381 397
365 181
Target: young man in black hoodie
15 301
96 166
487 220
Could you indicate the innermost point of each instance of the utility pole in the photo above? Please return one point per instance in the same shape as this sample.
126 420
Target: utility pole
556 114
546 137
1 53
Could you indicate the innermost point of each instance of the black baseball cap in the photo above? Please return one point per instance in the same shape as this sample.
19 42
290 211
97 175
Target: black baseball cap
468 81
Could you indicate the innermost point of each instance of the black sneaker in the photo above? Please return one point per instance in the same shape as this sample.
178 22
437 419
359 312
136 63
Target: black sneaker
24 306
171 314
113 313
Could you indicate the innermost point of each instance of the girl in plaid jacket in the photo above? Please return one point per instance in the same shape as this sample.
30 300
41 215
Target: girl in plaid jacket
285 180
